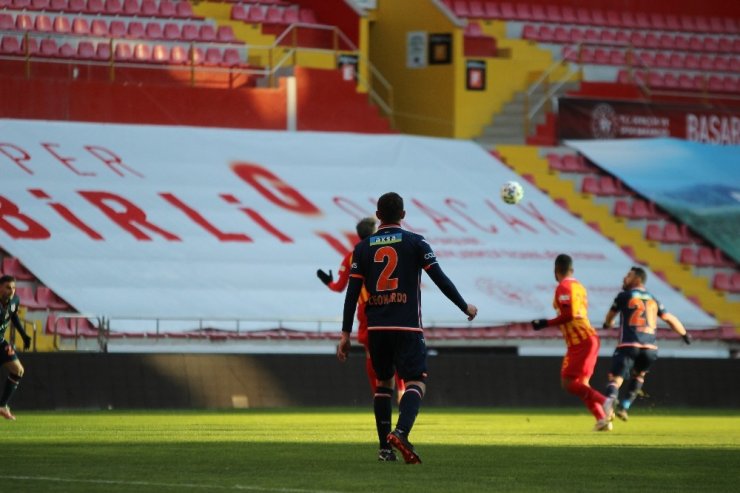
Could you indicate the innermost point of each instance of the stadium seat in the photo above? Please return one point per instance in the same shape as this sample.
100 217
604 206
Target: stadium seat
102 51
66 50
213 56
189 32
85 50
207 32
49 299
460 9
171 31
256 14
178 55
80 26
508 12
23 22
552 12
591 185
721 281
117 29
113 7
160 54
687 256
196 55
167 9
231 58
184 10
239 12
610 186
142 53
622 209
62 24
42 23
225 34
12 265
28 298
77 6
131 7
99 28
136 30
653 232
476 10
153 30
6 22
149 8
40 4
32 48
123 52
95 7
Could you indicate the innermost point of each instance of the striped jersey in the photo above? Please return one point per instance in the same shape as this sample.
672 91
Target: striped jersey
571 293
638 313
390 263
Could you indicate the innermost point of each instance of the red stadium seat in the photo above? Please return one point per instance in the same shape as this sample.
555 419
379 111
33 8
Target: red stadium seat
184 10
213 56
171 31
11 265
160 54
123 52
77 6
40 4
722 282
307 16
460 8
32 48
99 28
178 55
142 53
687 256
131 7
153 30
239 12
507 11
256 14
136 30
113 7
552 12
102 51
85 50
62 24
28 298
117 29
476 10
207 32
80 26
622 209
653 232
231 58
225 34
48 298
189 32
167 9
95 7
43 24
149 8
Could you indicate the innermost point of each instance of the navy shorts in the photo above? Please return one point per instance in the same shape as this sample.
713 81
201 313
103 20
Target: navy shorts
401 351
7 352
626 359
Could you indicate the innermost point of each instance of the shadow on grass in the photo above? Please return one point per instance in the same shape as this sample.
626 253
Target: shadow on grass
301 467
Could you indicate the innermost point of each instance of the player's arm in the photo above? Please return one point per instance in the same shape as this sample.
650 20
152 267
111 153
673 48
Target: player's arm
16 321
609 319
350 305
675 324
448 289
343 277
565 309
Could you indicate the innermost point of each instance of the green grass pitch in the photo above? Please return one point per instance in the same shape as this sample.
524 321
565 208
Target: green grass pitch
334 450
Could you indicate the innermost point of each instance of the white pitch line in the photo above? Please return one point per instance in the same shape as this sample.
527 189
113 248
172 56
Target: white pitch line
238 487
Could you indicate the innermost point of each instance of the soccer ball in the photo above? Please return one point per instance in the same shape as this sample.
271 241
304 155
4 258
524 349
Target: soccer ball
512 192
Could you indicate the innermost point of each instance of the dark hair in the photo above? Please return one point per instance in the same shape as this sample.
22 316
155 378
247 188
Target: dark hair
390 208
6 278
563 264
640 273
366 227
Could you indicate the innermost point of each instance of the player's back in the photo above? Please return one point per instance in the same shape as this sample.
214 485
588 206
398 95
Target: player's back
390 264
573 293
639 311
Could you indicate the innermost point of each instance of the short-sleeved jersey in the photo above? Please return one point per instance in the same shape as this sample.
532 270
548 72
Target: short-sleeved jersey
571 292
638 312
390 264
6 314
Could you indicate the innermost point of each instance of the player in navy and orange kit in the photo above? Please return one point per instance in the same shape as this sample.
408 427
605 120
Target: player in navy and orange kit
9 304
571 303
364 228
636 349
389 265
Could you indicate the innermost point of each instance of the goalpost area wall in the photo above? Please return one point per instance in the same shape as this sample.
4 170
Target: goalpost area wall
457 378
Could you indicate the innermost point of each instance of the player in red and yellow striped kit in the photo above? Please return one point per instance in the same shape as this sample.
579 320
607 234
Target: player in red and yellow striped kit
365 228
571 303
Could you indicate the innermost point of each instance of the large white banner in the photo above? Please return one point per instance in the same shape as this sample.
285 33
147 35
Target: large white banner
153 221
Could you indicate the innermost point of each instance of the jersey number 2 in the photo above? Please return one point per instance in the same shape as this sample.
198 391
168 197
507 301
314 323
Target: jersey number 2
385 281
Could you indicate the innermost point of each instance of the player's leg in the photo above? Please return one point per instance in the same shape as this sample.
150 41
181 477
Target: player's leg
578 366
10 362
643 362
410 360
382 363
400 388
371 377
622 362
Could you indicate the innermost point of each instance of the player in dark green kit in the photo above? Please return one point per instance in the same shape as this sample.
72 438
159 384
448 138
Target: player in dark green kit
9 304
389 264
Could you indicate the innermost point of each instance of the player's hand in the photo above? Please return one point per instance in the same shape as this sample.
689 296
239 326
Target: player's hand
471 311
686 338
606 326
325 278
539 324
343 347
26 342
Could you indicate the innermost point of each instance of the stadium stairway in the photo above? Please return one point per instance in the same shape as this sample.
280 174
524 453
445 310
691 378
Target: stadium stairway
529 162
524 63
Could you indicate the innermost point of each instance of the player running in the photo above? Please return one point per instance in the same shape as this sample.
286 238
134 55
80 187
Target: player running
636 349
571 303
9 304
389 265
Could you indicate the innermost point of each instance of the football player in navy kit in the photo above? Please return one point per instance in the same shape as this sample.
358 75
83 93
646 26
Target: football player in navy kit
389 264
